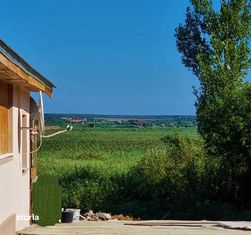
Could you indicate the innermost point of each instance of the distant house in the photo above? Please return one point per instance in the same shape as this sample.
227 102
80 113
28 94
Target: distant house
17 80
138 122
76 120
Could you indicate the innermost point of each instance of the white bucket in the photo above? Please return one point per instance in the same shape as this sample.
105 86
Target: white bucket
76 214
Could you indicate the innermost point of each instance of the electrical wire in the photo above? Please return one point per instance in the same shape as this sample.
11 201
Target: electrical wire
68 128
40 145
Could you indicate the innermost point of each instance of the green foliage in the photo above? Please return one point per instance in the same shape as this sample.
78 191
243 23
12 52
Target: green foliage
215 45
147 173
95 163
173 173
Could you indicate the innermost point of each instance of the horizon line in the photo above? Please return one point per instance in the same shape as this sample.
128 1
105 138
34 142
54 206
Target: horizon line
100 114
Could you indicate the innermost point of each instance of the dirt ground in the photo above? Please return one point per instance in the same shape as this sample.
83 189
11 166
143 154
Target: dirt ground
121 227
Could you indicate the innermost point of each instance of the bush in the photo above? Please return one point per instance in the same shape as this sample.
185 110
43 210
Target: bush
165 176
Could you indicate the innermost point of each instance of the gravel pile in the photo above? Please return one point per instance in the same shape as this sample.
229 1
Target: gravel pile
98 216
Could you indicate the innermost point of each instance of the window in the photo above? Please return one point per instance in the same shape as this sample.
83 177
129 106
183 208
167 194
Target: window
6 98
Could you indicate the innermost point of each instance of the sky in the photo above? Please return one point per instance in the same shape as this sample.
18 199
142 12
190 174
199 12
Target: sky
104 56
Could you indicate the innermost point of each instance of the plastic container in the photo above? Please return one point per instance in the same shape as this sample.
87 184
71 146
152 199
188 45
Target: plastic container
76 214
67 216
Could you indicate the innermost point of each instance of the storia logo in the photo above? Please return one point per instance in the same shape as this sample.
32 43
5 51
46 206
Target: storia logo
27 217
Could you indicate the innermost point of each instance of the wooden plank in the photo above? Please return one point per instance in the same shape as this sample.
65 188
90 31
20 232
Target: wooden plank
10 117
4 118
23 75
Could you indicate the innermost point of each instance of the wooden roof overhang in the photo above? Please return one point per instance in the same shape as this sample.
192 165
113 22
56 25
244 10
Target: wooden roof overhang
15 70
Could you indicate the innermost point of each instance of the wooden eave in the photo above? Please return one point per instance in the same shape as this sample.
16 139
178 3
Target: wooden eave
13 74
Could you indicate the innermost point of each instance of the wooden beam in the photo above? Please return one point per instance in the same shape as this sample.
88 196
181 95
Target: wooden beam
23 75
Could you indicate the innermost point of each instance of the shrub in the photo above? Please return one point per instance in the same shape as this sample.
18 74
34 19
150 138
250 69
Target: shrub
171 174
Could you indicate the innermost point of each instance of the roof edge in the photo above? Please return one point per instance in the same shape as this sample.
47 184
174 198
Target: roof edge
19 61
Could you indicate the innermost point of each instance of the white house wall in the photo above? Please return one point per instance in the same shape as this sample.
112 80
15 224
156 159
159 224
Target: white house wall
14 184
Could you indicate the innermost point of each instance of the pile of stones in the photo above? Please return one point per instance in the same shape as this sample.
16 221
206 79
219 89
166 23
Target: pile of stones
98 216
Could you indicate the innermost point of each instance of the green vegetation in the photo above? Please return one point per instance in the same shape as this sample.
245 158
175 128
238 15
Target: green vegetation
98 167
215 46
143 172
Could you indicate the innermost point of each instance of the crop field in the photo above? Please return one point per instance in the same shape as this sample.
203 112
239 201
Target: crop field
95 166
112 149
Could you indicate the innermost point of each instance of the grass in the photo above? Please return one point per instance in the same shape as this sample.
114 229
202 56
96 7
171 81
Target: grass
133 171
96 167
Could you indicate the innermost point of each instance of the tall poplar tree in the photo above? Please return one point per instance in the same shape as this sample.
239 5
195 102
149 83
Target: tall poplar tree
214 45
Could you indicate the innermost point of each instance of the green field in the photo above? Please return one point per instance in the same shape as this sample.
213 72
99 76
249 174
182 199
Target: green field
133 171
111 149
94 165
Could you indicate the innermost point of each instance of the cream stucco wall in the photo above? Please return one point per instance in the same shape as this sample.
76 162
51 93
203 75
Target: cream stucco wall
14 183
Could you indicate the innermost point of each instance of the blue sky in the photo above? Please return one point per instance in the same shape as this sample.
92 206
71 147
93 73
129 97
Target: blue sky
104 56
